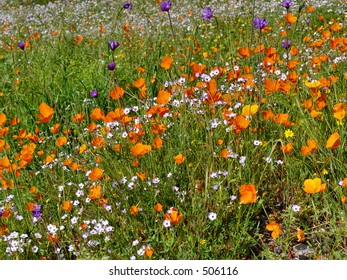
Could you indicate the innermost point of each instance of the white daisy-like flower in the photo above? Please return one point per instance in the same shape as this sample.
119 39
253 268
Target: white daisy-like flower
166 223
212 216
296 208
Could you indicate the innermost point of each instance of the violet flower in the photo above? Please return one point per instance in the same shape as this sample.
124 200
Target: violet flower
260 23
207 13
21 45
286 44
94 93
165 6
36 213
127 5
111 66
113 45
287 4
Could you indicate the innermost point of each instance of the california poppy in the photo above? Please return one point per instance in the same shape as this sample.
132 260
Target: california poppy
67 206
96 174
333 141
134 210
314 185
166 62
275 229
140 149
46 113
117 92
180 158
248 193
95 192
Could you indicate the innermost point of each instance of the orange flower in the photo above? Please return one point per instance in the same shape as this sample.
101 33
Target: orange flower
141 175
2 119
140 149
290 18
61 141
158 128
336 27
30 206
249 110
333 141
180 158
288 148
46 113
98 142
117 92
300 235
134 210
157 143
244 52
163 97
78 39
271 86
275 228
248 193
97 114
96 174
67 206
314 186
3 230
95 192
173 216
78 118
158 207
166 63
149 251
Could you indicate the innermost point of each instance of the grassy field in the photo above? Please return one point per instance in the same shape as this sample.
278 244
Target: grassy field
150 131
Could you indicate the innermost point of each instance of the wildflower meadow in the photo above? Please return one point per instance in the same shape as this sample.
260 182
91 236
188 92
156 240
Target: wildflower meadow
173 130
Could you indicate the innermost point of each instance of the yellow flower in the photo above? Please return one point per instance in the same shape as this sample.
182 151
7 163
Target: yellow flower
288 133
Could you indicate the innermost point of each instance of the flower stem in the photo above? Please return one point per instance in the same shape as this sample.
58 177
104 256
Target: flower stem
173 34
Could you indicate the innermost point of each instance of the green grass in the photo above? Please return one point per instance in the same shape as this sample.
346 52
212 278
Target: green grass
198 122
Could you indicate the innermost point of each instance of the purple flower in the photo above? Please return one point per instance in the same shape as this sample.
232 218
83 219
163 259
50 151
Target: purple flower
260 23
127 5
113 45
165 6
94 93
21 45
207 13
111 66
36 213
308 21
287 4
0 214
286 44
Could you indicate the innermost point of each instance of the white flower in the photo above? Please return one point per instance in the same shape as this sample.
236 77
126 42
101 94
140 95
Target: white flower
268 159
212 216
135 242
296 208
256 142
166 223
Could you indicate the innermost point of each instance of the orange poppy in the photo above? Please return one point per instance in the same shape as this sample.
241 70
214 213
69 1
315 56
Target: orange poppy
248 194
46 113
163 97
290 18
158 128
157 143
166 62
78 39
271 86
300 235
249 110
61 141
140 149
288 148
173 216
117 92
180 158
333 141
2 119
141 175
158 207
95 192
244 52
275 229
97 114
314 186
134 210
67 206
149 251
336 27
96 174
